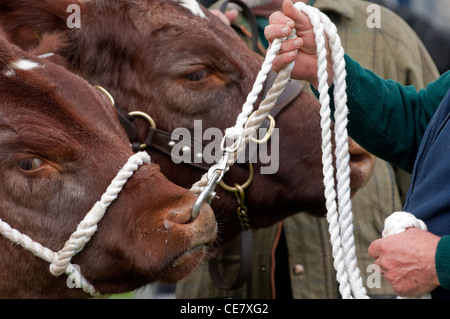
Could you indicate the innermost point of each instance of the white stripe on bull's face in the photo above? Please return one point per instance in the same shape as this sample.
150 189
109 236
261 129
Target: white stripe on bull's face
25 65
22 64
193 6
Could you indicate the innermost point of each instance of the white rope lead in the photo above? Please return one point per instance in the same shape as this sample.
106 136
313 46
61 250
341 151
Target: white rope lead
339 213
238 129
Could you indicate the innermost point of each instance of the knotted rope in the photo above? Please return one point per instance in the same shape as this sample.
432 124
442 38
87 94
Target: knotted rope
339 213
60 261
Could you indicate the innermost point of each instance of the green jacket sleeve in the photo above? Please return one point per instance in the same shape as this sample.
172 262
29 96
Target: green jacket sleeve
387 118
443 262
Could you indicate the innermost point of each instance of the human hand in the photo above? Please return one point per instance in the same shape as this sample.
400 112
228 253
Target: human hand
228 17
302 50
407 261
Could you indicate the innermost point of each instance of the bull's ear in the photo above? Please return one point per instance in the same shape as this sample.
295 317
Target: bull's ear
25 21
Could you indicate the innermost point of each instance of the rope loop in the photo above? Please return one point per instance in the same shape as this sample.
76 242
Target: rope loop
399 222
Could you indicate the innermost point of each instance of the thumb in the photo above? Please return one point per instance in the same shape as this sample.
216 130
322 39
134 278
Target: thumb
302 22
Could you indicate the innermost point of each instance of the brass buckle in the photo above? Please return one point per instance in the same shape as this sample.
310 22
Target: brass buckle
143 146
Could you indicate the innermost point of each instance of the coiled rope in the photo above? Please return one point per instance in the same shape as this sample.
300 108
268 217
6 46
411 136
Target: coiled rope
60 261
339 214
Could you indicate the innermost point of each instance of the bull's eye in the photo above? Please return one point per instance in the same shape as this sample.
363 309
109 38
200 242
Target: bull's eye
29 164
197 75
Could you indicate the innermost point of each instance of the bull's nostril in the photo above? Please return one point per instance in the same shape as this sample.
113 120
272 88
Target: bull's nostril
179 216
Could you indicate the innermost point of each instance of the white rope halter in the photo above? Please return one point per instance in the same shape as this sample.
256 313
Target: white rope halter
60 261
338 204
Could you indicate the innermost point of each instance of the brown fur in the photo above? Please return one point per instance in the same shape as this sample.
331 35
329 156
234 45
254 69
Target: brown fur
56 116
143 51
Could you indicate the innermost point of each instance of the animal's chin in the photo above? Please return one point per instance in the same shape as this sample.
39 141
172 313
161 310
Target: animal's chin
183 265
361 173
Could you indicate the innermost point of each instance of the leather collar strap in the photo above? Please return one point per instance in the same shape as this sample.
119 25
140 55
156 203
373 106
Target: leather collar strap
163 141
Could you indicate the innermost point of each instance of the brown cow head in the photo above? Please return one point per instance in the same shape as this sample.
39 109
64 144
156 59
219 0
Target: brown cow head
61 145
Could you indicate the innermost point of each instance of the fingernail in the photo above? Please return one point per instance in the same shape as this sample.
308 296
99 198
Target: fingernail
298 43
291 24
286 31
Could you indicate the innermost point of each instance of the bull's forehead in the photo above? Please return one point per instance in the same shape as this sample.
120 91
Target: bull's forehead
43 88
146 15
173 13
191 5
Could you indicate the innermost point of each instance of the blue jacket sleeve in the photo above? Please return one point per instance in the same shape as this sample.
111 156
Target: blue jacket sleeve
387 118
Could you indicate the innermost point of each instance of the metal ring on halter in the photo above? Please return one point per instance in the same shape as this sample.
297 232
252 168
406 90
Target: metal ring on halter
149 119
269 130
243 186
102 90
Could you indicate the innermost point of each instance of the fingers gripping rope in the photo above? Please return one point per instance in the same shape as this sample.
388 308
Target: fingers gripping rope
60 261
399 222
